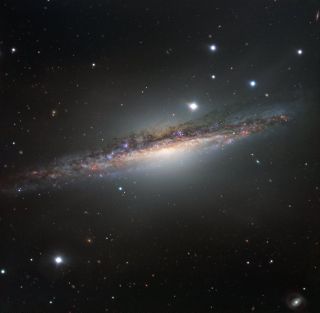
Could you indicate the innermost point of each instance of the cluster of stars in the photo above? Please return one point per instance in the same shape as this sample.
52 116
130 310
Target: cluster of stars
193 106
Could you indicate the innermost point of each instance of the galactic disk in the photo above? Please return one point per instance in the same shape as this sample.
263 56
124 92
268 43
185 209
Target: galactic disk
215 129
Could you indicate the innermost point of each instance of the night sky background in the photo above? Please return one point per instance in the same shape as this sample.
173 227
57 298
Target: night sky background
232 231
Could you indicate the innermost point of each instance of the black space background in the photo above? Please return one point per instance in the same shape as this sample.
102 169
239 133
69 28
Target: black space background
174 241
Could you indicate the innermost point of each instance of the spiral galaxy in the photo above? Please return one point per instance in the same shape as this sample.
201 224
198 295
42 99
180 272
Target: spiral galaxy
212 130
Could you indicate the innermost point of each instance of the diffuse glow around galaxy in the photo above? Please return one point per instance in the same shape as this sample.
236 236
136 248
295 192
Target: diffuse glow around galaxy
145 147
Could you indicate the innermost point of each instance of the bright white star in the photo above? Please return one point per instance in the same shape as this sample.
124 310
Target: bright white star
58 259
193 106
213 47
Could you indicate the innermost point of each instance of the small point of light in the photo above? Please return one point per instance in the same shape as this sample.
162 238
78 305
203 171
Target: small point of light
13 50
213 76
193 106
3 271
58 260
120 188
53 113
93 65
300 51
213 48
253 83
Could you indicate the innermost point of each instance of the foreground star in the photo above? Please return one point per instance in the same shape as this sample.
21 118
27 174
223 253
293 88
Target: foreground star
193 106
58 260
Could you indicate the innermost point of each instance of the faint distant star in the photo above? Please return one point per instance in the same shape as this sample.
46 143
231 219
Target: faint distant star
3 271
300 51
213 76
93 65
193 106
120 188
13 50
53 113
